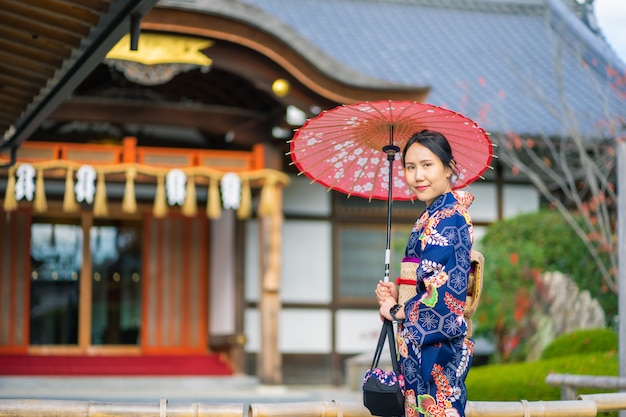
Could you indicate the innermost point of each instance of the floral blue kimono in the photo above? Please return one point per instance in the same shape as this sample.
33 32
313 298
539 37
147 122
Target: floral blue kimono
435 353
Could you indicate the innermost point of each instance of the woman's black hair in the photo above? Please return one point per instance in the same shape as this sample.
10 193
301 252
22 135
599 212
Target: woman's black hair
436 143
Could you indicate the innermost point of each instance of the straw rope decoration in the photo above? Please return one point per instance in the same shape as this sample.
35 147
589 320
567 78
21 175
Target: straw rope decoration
245 206
129 203
190 207
267 202
69 198
267 179
40 205
100 202
160 201
213 208
10 202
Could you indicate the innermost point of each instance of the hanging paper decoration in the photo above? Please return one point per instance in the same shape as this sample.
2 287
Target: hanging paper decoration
85 184
175 187
25 185
231 191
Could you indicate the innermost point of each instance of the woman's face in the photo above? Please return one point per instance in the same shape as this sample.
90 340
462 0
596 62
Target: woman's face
425 173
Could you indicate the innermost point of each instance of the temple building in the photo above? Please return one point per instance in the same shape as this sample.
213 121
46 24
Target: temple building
151 220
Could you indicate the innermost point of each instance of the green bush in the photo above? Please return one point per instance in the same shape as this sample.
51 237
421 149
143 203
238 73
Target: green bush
543 240
582 342
517 251
583 352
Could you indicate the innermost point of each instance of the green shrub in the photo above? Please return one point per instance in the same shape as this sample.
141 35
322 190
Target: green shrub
582 342
517 251
543 240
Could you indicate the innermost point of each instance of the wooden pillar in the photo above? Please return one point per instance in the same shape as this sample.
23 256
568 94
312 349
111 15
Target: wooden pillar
269 361
86 282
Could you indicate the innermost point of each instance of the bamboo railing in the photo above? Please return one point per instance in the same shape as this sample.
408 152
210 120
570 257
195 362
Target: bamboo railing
570 383
63 408
585 406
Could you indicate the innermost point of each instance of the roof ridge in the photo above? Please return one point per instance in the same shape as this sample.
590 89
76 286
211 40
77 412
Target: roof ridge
490 6
592 46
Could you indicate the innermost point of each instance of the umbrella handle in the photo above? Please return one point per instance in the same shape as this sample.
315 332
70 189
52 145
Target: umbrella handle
387 264
391 151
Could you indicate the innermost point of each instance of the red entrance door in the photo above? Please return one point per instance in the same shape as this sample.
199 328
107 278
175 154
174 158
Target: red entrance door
14 289
175 285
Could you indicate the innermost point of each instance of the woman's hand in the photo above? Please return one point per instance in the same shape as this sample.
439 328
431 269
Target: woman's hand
386 290
385 307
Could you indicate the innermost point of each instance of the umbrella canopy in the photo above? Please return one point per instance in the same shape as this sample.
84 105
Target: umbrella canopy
352 147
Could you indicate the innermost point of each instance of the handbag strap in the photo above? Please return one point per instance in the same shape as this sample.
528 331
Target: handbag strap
386 333
379 345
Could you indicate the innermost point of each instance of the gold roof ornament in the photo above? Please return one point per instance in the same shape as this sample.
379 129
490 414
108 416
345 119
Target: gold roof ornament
159 58
155 48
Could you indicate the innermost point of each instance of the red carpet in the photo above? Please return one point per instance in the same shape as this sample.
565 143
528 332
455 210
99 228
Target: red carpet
113 365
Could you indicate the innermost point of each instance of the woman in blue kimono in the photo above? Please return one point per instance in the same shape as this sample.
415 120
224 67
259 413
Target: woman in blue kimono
435 352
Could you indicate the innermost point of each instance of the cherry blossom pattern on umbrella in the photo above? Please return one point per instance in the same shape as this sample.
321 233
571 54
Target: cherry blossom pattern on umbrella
345 149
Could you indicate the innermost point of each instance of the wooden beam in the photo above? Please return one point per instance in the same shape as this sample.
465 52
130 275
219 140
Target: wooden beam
248 126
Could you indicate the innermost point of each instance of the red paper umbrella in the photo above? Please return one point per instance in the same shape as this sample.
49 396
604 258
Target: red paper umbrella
349 148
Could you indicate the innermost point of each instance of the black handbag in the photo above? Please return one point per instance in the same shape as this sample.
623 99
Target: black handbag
383 391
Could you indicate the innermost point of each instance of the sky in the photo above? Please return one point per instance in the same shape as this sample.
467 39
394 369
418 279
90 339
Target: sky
611 17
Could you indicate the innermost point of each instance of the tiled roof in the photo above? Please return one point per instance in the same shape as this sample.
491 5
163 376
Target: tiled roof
502 63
